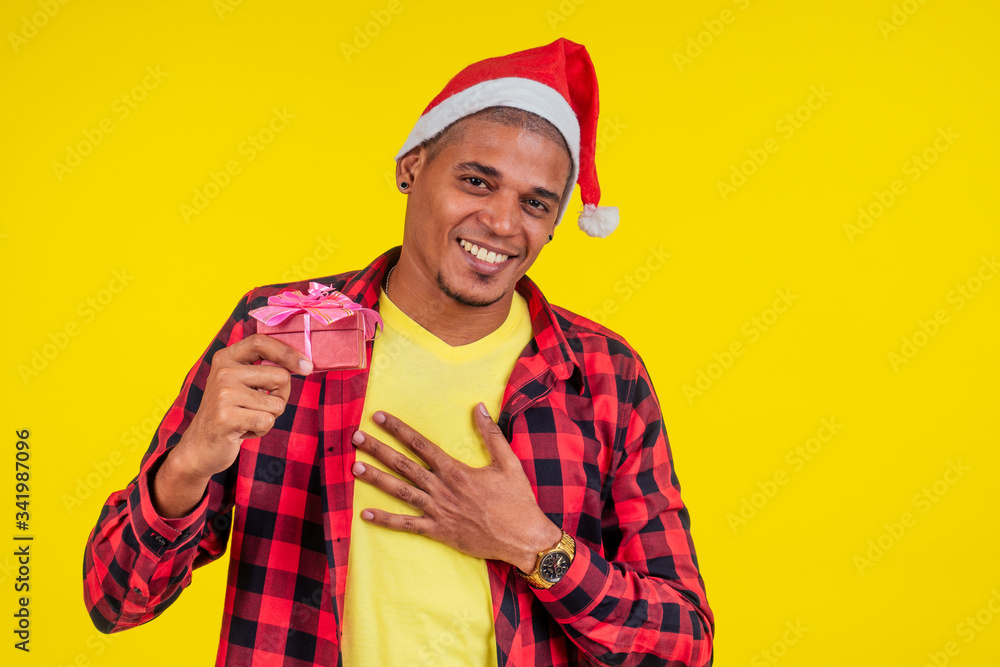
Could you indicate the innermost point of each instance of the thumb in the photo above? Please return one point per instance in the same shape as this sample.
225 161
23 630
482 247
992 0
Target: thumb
496 444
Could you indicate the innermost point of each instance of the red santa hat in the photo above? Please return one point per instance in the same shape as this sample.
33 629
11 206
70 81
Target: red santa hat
557 82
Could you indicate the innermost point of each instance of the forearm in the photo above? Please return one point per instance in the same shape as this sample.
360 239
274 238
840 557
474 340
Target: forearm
166 522
137 561
643 619
647 605
176 488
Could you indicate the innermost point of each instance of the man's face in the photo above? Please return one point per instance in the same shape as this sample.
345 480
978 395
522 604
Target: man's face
495 190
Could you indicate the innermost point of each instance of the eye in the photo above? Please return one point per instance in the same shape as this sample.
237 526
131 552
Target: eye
537 205
475 181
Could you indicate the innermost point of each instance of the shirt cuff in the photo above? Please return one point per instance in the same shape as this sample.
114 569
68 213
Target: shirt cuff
157 533
582 587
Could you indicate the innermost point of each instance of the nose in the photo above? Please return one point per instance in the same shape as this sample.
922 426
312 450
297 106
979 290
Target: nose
501 213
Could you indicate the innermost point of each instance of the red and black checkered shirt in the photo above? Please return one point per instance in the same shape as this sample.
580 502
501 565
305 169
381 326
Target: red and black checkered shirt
578 410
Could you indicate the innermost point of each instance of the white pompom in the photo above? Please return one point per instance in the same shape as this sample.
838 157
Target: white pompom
598 220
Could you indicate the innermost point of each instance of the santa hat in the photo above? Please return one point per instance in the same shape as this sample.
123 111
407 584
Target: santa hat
557 82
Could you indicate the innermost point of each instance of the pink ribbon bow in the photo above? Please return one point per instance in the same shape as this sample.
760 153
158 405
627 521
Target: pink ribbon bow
323 304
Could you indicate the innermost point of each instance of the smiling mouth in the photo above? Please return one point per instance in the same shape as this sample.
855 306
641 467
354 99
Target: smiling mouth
483 254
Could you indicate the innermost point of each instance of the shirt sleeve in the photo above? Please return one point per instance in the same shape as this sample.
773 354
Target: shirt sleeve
137 562
642 603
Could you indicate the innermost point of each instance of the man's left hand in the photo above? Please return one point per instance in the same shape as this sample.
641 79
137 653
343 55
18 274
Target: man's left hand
487 512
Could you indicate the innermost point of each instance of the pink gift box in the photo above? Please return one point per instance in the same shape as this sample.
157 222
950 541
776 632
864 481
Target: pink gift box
324 325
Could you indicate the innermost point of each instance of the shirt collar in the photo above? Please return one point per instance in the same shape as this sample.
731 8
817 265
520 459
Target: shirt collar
551 348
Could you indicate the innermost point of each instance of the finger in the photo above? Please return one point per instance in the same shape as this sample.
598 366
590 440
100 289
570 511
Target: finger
390 484
433 455
252 399
403 523
252 423
393 460
260 346
496 443
268 379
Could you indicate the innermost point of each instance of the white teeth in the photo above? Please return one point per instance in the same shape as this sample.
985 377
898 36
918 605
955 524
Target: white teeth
482 253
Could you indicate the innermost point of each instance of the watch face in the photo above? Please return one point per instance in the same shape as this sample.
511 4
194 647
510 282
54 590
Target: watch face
554 566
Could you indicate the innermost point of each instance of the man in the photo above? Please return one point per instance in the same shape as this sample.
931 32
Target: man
380 516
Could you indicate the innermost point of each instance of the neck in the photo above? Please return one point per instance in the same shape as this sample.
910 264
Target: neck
418 295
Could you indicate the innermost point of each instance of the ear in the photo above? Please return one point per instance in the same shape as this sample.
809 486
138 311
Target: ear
408 167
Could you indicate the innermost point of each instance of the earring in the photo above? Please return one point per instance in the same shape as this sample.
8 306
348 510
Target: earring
550 237
404 185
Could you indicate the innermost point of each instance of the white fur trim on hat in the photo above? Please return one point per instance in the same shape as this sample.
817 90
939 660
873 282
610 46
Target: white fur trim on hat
516 92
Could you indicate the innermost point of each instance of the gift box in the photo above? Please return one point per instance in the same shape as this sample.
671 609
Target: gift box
324 325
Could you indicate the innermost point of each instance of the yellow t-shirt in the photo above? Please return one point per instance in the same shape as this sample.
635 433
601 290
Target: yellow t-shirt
411 600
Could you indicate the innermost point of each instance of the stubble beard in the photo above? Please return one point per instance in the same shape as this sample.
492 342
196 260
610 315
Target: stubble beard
463 299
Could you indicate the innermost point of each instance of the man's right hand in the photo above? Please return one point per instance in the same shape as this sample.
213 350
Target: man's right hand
241 400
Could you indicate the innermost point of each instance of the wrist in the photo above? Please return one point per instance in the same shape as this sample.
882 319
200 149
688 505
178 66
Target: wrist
544 537
552 564
176 486
183 464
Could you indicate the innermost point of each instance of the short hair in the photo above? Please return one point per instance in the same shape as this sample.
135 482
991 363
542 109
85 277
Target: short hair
509 116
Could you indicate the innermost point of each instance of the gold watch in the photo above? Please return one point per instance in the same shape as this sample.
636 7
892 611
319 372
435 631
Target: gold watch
551 565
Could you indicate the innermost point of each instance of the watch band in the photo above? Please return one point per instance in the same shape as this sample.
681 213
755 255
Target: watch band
551 564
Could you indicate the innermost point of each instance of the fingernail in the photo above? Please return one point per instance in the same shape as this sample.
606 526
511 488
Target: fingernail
358 437
306 366
483 410
378 417
359 468
367 516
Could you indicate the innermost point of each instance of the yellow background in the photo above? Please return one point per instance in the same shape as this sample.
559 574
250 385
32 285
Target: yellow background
672 130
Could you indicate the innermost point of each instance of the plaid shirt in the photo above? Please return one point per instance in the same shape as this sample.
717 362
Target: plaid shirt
578 410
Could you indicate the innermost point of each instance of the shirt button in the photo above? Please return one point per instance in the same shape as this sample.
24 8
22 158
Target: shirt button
160 540
137 590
